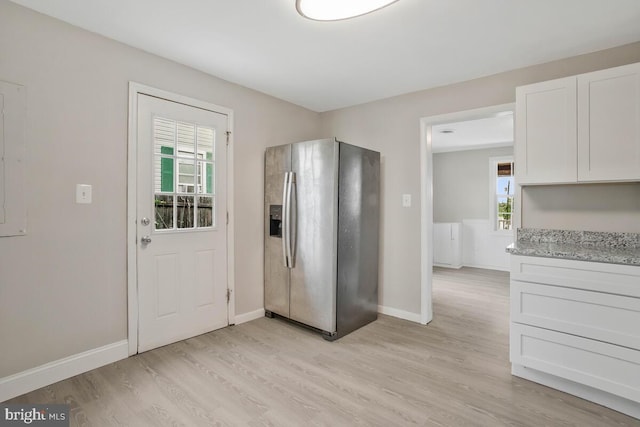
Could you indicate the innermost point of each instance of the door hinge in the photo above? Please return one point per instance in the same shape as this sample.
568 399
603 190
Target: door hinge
227 218
228 295
228 135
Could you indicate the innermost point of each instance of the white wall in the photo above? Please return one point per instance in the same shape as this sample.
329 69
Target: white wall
392 127
461 184
593 207
63 286
484 248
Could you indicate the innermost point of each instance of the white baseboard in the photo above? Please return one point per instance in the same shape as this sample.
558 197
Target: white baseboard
247 317
456 267
401 314
58 370
488 267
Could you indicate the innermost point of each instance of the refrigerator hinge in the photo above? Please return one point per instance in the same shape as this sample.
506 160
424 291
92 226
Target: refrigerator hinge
228 295
228 135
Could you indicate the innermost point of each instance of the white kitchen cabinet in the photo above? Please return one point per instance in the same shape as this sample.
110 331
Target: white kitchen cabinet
602 366
545 148
584 128
574 327
595 315
609 124
447 244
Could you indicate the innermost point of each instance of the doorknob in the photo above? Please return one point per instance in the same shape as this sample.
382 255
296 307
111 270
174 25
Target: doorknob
145 221
146 240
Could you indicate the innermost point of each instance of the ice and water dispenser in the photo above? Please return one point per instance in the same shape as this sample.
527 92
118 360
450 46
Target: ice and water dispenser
275 220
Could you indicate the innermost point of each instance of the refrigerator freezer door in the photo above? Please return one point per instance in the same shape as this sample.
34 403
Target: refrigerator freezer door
358 229
276 275
313 280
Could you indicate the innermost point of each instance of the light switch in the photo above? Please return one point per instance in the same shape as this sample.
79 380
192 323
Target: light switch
83 193
406 200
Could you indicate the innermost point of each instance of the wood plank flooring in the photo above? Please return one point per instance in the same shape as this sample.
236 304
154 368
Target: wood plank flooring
452 372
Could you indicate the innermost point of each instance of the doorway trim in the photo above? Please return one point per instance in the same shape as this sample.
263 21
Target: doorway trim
136 89
426 195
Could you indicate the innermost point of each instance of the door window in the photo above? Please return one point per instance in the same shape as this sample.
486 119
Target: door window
184 165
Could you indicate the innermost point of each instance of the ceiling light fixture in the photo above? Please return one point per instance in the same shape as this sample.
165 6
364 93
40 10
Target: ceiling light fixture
334 10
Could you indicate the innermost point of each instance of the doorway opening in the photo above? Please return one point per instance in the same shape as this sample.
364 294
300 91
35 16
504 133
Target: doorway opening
446 136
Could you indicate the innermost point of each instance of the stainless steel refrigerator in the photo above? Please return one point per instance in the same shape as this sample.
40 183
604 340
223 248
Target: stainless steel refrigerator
322 215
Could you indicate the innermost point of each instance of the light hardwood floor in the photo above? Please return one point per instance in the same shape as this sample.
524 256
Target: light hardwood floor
453 372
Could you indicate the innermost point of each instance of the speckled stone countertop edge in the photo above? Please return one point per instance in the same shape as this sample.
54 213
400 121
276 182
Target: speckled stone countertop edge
576 252
605 247
594 239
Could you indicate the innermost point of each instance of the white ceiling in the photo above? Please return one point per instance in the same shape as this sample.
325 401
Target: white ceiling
494 131
408 46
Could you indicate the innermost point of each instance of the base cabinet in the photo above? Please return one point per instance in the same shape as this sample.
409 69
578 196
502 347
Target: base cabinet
607 367
447 244
595 315
574 326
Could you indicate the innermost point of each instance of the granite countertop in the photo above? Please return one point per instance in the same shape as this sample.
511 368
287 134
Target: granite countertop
612 248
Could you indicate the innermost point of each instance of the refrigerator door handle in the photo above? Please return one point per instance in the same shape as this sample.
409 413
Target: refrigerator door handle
285 218
292 209
290 178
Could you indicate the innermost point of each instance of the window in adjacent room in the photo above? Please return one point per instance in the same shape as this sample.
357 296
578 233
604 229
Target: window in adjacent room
502 193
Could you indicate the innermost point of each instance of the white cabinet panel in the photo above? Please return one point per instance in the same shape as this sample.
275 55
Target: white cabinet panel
609 124
447 244
595 315
606 367
593 276
546 137
576 324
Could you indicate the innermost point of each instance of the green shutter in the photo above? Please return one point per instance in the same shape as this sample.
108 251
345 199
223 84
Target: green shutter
209 183
166 170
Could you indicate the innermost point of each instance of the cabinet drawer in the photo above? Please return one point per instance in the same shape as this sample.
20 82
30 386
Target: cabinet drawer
604 317
593 276
606 367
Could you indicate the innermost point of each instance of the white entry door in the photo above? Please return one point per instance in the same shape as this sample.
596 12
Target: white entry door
181 222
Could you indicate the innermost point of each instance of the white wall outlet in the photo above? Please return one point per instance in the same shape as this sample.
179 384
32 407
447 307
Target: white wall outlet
406 200
83 193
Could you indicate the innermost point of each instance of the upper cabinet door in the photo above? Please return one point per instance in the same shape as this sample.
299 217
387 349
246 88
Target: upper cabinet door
546 136
609 124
